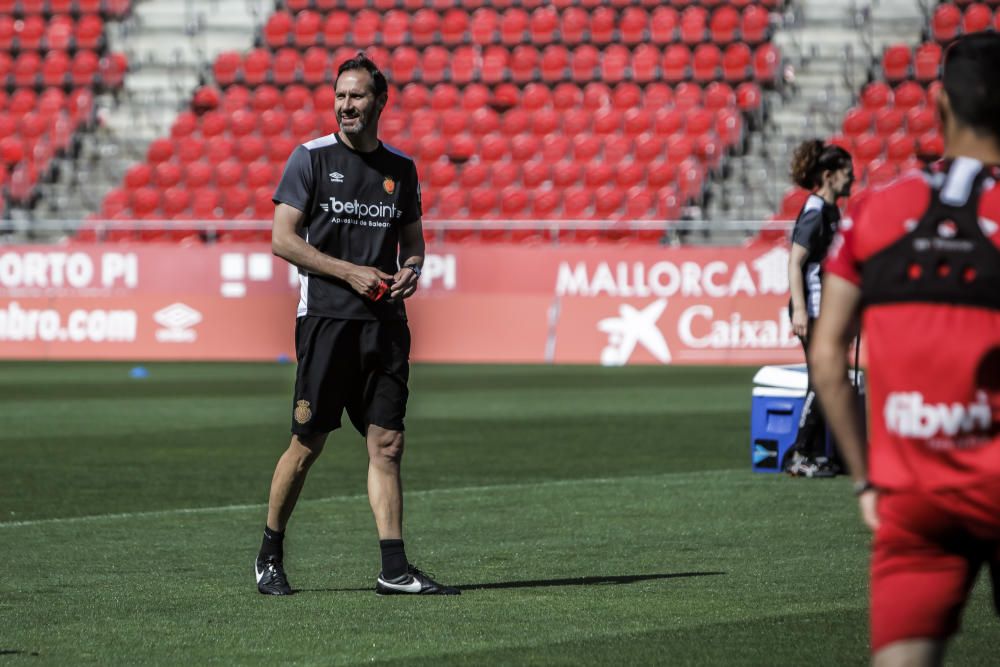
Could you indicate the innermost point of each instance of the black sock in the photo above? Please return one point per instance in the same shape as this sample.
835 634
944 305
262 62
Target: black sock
271 546
394 563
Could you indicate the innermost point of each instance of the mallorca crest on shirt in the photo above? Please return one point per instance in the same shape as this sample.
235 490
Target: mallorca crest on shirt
389 185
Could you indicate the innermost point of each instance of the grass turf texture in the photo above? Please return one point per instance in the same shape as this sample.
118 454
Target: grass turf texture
593 516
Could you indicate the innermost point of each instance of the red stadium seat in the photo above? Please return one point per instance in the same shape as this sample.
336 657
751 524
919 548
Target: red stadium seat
145 201
754 25
705 63
484 26
676 62
896 62
524 146
543 24
687 96
462 147
724 25
336 28
115 202
736 63
545 122
573 26
880 172
504 173
856 122
8 32
976 18
556 146
441 173
585 60
945 23
189 149
434 65
534 173
256 66
637 121
719 96
55 69
205 204
464 64
160 150
908 95
930 145
648 147
766 63
668 121
423 30
483 202
729 127
888 120
663 25
260 173
657 95
900 146
167 174
493 147
484 121
679 148
32 32
876 95
596 174
226 67
602 25
197 174
867 147
514 203
454 25
614 61
694 25
577 203
495 62
920 120
228 172
273 122
607 120
138 176
219 148
927 62
633 26
236 202
645 61
474 175
516 121
278 30
544 203
567 173
513 26
524 60
365 28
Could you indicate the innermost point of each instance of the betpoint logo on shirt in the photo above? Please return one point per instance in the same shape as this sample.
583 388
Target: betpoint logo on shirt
907 415
363 209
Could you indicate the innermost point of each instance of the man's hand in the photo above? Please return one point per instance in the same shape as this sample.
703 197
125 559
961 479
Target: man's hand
800 322
868 501
365 279
404 284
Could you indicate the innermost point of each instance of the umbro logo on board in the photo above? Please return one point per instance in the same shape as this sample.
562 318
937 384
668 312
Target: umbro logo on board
336 177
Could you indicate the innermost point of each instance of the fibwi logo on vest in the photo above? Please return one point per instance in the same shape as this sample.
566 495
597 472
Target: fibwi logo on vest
943 425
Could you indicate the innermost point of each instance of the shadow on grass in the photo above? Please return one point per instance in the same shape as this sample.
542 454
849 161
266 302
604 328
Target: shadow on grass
543 583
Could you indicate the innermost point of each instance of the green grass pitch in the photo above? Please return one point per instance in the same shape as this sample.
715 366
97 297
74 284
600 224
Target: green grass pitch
592 516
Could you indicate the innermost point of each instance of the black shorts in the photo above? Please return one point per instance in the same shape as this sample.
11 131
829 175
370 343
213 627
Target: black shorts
360 365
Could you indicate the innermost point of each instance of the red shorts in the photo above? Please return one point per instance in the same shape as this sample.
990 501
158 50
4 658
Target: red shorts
928 549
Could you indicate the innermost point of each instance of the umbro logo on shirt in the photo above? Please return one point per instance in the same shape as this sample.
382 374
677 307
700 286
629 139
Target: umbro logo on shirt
336 177
325 207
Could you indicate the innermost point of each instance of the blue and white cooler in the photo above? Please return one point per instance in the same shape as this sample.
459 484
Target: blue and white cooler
778 397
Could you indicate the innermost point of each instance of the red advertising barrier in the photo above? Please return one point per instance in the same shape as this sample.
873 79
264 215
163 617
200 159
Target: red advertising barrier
608 304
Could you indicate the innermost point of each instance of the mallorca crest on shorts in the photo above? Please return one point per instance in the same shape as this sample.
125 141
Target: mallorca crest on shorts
389 185
302 412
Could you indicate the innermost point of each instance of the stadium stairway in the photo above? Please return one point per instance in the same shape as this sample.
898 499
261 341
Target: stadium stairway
830 48
168 43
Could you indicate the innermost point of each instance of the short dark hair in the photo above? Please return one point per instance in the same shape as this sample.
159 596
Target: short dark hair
362 61
812 158
971 67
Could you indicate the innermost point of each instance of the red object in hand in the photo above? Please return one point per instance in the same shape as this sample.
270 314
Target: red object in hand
379 290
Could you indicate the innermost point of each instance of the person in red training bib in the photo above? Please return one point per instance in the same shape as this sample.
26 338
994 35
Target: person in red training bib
920 260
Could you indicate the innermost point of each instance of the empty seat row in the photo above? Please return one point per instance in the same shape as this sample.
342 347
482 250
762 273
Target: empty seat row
949 21
493 65
472 5
35 33
543 26
889 119
58 69
115 9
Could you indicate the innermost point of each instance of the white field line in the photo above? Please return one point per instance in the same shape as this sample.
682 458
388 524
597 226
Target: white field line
673 478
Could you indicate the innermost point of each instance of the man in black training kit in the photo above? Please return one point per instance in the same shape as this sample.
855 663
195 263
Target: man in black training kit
345 204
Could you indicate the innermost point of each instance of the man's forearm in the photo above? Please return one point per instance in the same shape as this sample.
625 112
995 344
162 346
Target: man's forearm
297 252
839 401
797 289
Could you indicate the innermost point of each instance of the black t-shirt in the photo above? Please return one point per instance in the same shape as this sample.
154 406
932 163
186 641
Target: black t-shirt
354 204
814 230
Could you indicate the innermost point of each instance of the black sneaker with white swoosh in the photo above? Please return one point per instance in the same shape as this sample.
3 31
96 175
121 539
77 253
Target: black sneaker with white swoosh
414 582
271 579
